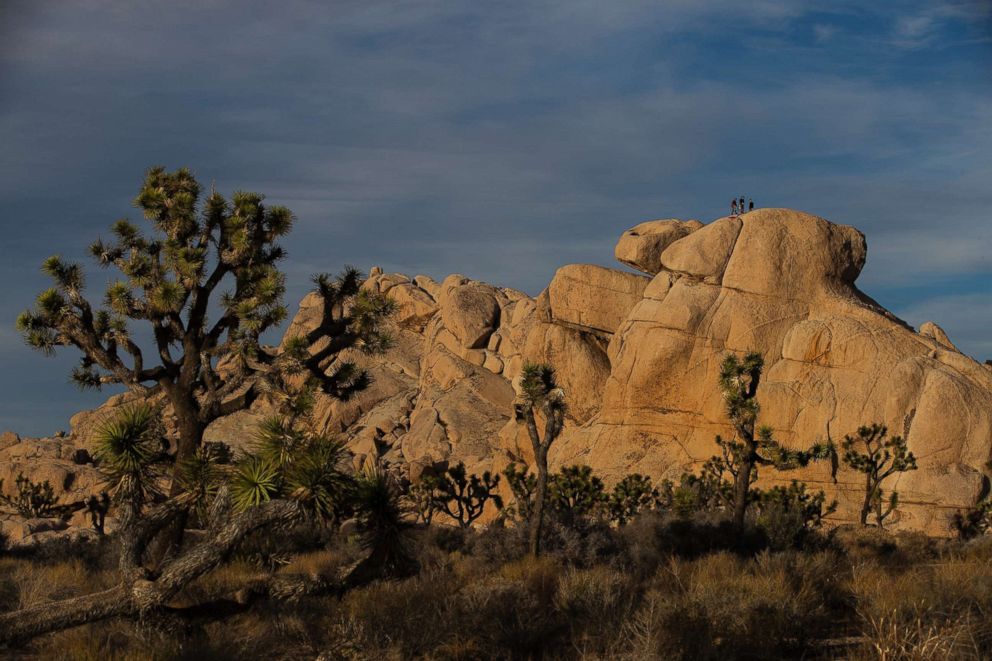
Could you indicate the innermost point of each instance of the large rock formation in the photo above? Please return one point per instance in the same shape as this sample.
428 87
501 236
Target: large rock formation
638 358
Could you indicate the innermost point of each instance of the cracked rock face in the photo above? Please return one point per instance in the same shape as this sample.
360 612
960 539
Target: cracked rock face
638 358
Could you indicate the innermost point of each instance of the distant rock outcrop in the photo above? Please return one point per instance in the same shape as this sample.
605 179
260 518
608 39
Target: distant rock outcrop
638 358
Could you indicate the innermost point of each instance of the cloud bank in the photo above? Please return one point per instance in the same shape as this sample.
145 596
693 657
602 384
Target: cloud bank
500 140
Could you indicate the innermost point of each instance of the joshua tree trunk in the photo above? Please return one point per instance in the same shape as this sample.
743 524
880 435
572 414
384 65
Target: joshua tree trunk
540 495
742 487
189 427
869 497
551 431
136 594
45 618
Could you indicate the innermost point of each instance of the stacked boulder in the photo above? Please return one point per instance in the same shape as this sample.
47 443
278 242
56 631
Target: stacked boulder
638 355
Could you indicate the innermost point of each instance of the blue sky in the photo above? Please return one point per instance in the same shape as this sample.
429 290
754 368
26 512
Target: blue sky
499 140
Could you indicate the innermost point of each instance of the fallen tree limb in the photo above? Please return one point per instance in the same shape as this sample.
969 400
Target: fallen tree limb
136 596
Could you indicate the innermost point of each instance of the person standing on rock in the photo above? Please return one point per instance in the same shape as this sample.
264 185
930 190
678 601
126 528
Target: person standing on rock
741 205
750 204
733 207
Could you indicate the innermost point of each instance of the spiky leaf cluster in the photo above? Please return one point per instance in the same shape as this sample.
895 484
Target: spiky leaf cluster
203 474
539 386
131 451
380 515
351 317
538 391
289 463
739 379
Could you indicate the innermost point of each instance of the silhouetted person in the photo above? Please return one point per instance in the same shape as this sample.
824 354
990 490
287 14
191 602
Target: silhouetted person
741 206
733 207
750 204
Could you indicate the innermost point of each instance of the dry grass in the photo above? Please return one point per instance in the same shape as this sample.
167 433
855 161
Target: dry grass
869 596
26 583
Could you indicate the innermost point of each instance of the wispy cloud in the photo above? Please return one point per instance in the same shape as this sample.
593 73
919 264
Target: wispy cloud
500 140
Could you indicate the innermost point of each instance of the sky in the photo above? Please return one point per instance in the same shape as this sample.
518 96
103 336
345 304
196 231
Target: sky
499 140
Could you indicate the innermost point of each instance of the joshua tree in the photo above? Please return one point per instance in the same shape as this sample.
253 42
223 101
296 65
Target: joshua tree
540 394
30 500
739 380
630 496
878 456
575 493
264 492
204 367
461 496
522 485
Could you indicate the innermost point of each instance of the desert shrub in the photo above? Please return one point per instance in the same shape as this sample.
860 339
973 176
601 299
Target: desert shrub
9 593
667 535
405 617
892 549
581 543
595 603
265 550
974 521
29 581
912 640
927 610
788 515
723 607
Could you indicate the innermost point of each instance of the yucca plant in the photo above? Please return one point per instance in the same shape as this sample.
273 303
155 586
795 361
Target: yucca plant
317 482
383 531
30 499
203 474
278 442
255 480
575 493
462 497
522 485
131 450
